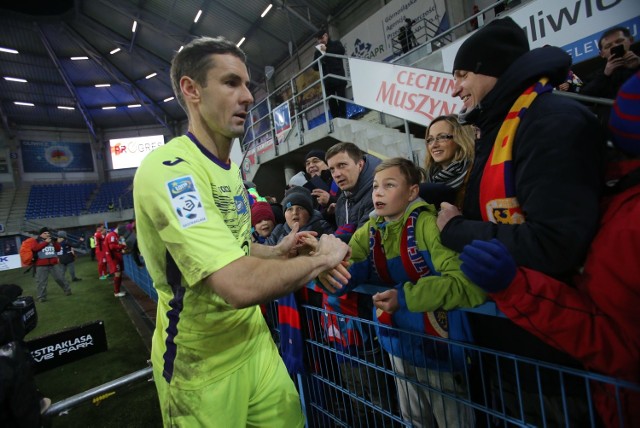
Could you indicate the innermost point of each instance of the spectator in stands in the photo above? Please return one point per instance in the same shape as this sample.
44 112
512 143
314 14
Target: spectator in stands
45 249
406 37
331 65
67 256
597 321
535 181
352 170
114 249
263 222
477 21
449 153
325 190
131 241
298 210
572 82
620 64
194 230
101 253
399 247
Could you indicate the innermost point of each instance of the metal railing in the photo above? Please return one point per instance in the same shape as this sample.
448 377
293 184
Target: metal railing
63 406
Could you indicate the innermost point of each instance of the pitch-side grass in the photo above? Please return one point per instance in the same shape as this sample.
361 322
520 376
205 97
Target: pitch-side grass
92 299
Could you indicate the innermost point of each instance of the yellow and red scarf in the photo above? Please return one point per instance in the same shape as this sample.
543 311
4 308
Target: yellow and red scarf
498 202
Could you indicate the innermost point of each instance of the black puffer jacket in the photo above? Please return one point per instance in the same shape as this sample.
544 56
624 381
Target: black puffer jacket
557 168
331 65
557 165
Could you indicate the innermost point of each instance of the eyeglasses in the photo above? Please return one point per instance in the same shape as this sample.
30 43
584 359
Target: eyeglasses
439 138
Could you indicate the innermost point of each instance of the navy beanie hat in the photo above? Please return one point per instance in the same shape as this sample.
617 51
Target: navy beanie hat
316 153
300 196
492 49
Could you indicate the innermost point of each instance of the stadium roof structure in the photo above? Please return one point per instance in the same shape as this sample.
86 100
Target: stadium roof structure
103 64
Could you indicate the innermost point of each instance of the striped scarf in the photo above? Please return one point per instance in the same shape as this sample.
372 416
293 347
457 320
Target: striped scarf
436 323
452 175
498 202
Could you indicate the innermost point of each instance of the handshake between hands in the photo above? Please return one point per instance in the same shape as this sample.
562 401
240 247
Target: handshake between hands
335 251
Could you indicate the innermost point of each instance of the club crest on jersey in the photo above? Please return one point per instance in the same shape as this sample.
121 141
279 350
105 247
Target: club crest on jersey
186 201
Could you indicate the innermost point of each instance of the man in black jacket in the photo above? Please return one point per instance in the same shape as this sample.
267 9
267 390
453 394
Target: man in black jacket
620 64
535 180
332 65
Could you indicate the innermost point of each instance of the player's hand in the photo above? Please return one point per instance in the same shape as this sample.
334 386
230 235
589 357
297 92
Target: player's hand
336 278
289 246
564 86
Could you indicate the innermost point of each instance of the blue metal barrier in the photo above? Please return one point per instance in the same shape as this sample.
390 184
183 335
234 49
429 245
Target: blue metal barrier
140 276
367 387
468 385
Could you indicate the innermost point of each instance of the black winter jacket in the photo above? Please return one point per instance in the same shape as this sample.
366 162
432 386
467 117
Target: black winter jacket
557 164
557 168
331 65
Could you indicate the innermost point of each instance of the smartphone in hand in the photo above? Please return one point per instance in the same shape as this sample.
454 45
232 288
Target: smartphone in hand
617 51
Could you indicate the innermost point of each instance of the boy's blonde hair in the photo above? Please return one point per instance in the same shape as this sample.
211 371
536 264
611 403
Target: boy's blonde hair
411 173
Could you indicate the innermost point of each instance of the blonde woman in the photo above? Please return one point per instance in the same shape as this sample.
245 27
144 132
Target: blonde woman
449 152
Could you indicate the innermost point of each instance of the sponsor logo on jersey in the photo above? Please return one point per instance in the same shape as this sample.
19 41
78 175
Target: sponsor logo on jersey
174 162
186 201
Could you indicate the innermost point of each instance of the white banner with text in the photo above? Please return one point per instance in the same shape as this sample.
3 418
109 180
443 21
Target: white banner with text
413 94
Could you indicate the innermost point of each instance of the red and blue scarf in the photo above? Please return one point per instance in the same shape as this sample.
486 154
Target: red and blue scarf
415 266
498 202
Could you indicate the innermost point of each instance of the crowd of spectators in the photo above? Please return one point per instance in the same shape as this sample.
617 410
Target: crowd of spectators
525 219
524 214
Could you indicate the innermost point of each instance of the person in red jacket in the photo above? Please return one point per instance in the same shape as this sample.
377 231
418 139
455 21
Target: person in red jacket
597 321
100 252
113 248
45 249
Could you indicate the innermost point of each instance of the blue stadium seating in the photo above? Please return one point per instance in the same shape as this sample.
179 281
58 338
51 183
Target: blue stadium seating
64 200
58 200
112 192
